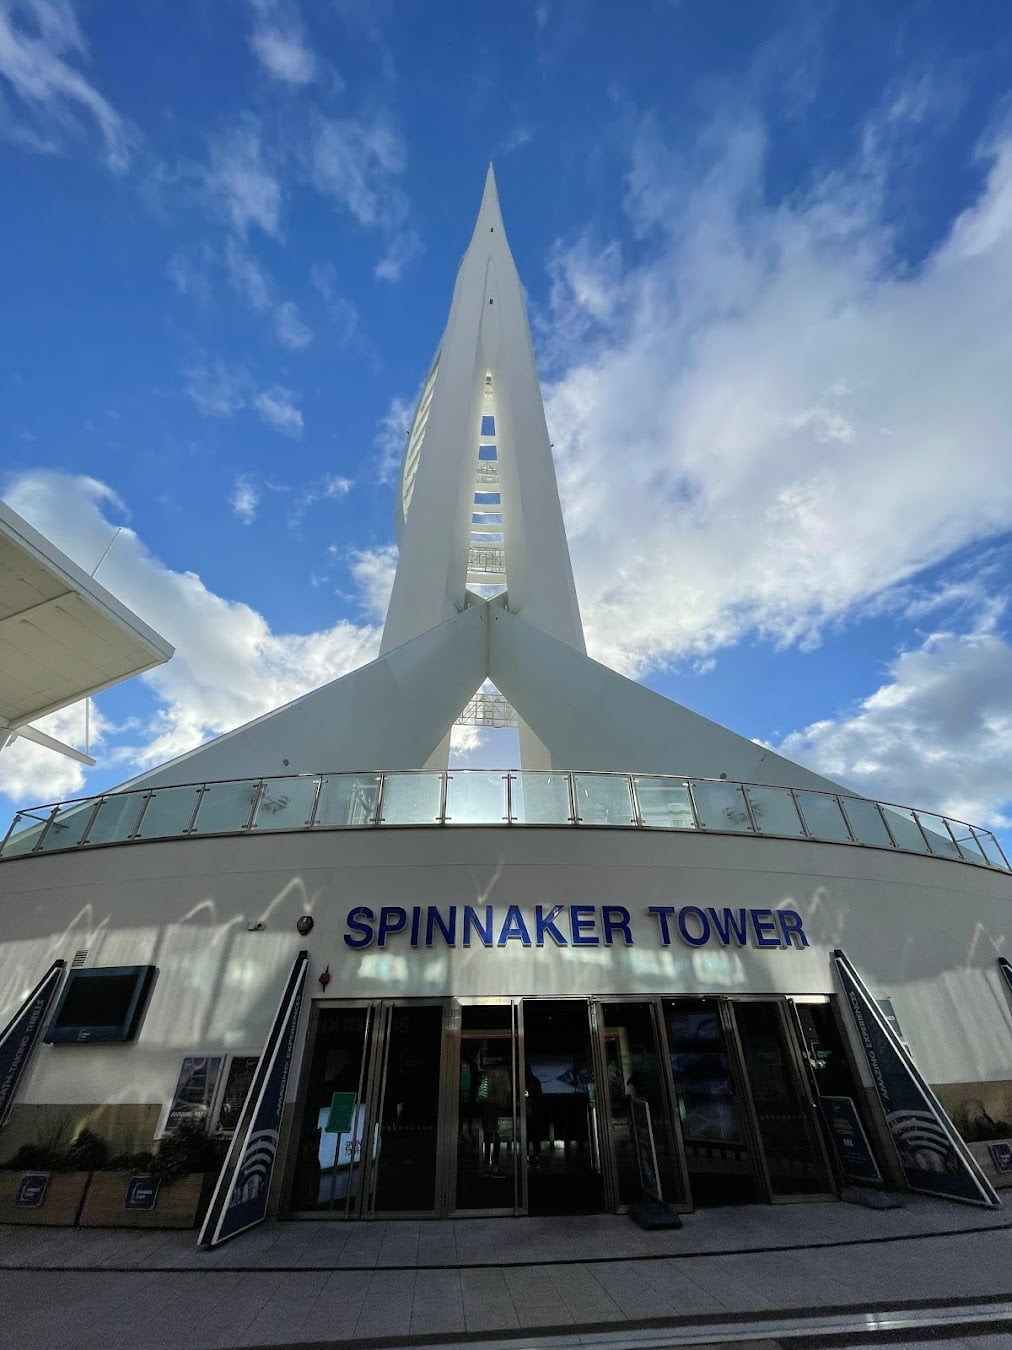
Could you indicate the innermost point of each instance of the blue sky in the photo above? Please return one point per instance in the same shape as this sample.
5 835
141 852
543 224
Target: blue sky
768 256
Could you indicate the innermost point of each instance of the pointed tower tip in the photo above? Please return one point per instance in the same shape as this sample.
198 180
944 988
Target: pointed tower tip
489 213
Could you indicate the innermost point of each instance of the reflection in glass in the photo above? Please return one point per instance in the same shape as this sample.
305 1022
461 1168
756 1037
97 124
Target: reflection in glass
328 1170
411 798
665 803
969 848
866 822
794 1161
286 803
633 1065
720 806
406 1171
774 811
225 807
168 812
904 828
488 1130
117 817
476 798
989 847
348 799
602 799
823 816
717 1156
564 1175
24 833
541 799
937 835
68 826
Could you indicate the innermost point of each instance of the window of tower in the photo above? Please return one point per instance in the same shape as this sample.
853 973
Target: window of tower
486 518
487 425
488 499
487 452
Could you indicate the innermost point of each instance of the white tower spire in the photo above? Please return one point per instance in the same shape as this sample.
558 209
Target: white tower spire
477 508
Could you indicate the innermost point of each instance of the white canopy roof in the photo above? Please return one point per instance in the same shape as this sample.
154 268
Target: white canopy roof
62 635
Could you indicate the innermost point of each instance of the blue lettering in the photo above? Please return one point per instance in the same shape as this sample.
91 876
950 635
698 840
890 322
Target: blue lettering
355 917
514 928
765 928
694 940
434 920
391 920
416 918
791 927
546 925
662 913
473 923
617 924
581 919
727 926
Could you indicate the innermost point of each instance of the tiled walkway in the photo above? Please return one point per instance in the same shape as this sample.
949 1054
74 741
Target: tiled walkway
727 1274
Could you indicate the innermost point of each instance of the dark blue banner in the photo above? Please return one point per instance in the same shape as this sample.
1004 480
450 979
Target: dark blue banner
857 1162
17 1040
931 1153
240 1197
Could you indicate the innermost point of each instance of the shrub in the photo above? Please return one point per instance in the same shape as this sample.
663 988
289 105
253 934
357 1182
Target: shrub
186 1149
88 1153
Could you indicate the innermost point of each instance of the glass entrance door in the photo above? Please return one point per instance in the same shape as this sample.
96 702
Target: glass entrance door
489 1149
369 1139
561 1108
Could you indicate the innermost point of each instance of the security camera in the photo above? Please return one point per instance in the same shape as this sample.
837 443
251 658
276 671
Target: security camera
255 927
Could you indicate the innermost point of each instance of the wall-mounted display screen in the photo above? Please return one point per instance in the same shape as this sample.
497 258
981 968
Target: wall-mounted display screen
100 1005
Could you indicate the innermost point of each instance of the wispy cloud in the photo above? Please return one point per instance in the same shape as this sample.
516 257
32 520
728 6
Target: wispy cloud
245 498
390 436
250 281
342 312
292 332
241 182
278 39
41 50
277 408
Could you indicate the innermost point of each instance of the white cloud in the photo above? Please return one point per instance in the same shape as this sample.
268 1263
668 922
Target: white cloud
284 55
390 436
229 665
277 408
373 571
32 775
342 312
288 325
40 41
241 182
938 735
248 279
768 420
245 498
356 164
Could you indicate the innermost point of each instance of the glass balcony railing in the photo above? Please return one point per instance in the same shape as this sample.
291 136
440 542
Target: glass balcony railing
347 801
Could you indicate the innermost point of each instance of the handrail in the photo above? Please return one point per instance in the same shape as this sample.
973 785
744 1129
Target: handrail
379 798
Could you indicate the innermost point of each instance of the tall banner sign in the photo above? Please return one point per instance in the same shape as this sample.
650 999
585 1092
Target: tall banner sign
240 1197
1005 966
17 1040
931 1153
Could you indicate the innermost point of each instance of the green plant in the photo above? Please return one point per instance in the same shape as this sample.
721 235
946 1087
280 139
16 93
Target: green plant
37 1158
131 1162
186 1149
88 1153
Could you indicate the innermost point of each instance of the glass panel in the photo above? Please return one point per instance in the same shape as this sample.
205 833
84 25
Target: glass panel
719 1163
476 798
786 1127
117 818
168 812
938 837
488 1136
286 804
328 1169
969 848
904 828
411 798
406 1173
664 804
774 811
564 1176
823 816
989 847
603 799
721 806
348 799
866 822
225 807
633 1063
24 834
541 799
68 825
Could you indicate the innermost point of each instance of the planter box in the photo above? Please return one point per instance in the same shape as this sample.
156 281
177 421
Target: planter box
179 1205
61 1204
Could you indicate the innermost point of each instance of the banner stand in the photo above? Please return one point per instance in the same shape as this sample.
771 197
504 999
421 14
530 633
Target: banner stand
931 1153
17 1040
240 1195
650 1211
1005 966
